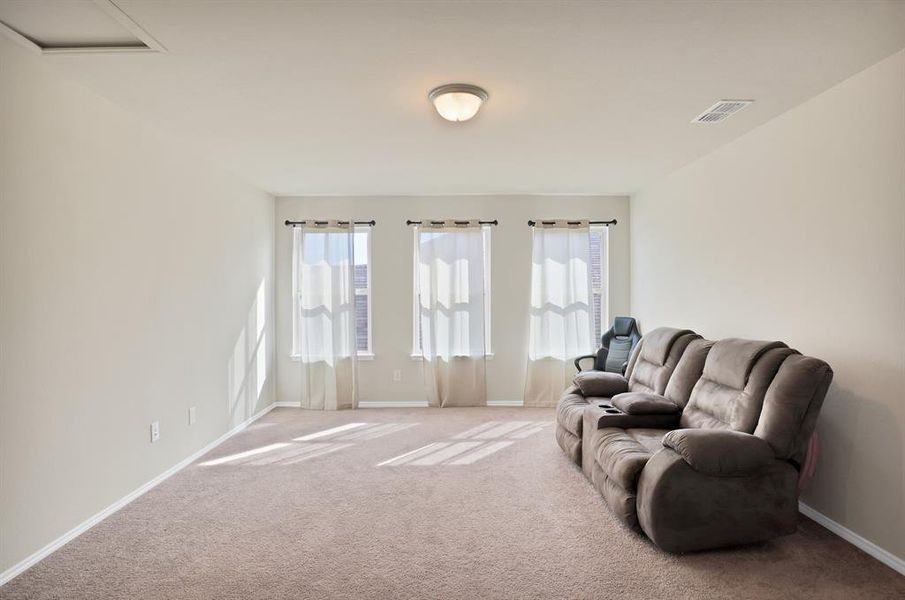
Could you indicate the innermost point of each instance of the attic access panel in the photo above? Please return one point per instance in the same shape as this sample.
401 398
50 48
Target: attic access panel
49 26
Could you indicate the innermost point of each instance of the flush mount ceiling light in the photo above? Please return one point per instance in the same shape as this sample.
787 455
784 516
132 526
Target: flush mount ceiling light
458 101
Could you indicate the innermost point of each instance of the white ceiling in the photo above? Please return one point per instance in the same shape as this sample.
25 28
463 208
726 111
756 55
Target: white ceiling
331 98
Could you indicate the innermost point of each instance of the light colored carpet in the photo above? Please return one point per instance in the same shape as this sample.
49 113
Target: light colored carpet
490 511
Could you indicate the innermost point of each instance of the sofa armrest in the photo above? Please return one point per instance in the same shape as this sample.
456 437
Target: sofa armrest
720 452
642 403
684 510
600 384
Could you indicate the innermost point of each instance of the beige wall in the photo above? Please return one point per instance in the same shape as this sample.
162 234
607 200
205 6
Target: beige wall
129 276
796 231
391 254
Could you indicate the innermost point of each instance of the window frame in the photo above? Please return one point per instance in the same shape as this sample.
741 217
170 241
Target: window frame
604 289
369 352
488 303
361 354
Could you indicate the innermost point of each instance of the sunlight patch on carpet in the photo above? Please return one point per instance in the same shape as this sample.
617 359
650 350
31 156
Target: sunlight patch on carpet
303 448
479 442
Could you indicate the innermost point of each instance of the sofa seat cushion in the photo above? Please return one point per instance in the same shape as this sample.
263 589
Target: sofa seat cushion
651 439
570 410
622 453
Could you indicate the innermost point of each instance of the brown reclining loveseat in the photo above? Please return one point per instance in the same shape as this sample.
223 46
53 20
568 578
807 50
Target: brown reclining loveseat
719 466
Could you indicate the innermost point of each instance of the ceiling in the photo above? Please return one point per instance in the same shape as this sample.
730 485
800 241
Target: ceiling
588 98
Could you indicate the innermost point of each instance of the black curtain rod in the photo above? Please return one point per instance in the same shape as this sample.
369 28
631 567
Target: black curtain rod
494 222
610 222
298 223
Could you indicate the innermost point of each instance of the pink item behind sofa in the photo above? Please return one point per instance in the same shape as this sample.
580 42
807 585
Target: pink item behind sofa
810 462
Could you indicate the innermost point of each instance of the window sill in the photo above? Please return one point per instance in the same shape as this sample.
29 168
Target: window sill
366 356
488 356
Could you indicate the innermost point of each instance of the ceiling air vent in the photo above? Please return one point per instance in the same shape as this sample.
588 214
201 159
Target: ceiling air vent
721 111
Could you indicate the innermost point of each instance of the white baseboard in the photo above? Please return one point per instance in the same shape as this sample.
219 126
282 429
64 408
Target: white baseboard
366 404
884 556
81 528
402 404
392 404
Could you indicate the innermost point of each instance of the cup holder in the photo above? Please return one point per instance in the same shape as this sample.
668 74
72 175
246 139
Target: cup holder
612 411
605 405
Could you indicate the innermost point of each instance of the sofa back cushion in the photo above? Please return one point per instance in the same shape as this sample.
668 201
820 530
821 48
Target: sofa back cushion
731 390
655 358
688 371
791 405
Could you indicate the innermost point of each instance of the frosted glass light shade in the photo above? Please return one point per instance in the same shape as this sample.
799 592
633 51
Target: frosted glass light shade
458 101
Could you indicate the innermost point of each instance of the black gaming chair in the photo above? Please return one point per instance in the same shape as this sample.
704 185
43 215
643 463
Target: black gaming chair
616 346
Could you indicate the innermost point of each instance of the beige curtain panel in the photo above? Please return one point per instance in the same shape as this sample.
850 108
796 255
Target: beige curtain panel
561 324
324 315
450 281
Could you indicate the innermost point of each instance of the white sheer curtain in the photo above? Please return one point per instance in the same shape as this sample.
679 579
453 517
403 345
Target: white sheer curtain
449 281
561 323
324 316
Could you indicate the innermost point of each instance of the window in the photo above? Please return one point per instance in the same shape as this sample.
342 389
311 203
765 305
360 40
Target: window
416 322
361 241
599 279
362 244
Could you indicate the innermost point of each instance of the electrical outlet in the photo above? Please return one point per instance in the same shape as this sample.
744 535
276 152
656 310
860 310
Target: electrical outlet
192 416
397 375
155 431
